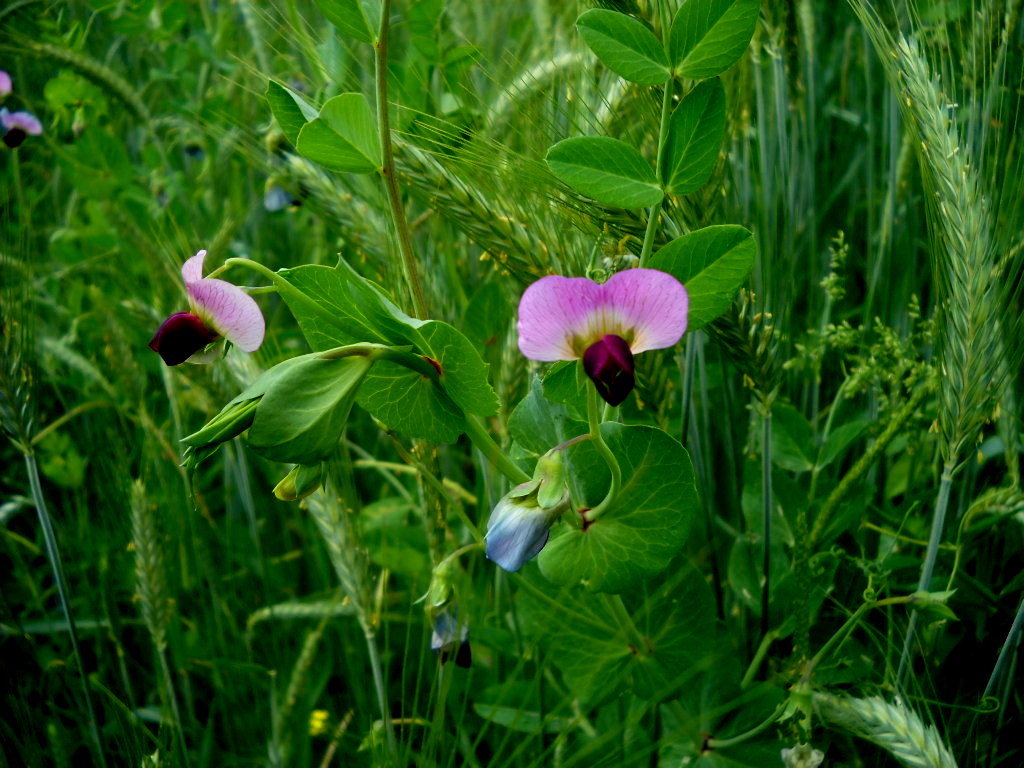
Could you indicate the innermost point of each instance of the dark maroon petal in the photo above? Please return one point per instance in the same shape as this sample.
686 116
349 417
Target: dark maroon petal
181 336
14 137
609 364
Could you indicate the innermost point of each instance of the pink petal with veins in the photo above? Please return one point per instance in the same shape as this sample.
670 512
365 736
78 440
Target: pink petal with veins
559 317
552 312
230 311
192 270
653 304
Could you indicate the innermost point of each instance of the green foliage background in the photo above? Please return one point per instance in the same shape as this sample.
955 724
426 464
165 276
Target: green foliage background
875 352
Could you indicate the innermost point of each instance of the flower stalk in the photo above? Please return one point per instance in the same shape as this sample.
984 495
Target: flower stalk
606 454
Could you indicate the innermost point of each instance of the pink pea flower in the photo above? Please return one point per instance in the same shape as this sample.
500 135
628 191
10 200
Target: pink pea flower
5 83
567 318
18 125
216 309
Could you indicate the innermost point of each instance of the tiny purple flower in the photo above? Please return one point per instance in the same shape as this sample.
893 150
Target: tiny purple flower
567 318
216 309
18 125
451 637
5 83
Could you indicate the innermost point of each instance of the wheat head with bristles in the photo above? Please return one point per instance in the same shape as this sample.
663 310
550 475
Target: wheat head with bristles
959 216
150 571
892 726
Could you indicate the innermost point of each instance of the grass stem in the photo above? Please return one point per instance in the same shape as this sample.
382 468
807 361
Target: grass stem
387 172
53 555
938 522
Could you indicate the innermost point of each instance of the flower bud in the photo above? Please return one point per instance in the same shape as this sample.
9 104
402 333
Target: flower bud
451 636
233 419
520 523
300 482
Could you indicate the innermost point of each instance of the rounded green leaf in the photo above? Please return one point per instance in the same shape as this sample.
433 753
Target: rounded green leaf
608 170
290 110
694 137
712 263
709 36
643 528
599 657
410 403
344 137
625 46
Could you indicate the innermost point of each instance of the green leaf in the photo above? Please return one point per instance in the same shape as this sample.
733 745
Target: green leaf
599 656
625 46
643 528
516 705
709 36
564 385
538 424
792 438
839 439
344 137
304 410
392 539
409 403
608 170
290 110
712 263
355 18
463 372
330 308
487 316
337 306
715 704
694 137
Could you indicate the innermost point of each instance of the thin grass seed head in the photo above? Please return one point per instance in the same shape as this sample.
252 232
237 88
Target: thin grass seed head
217 309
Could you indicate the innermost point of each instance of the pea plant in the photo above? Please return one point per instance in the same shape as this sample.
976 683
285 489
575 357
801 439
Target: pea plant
657 407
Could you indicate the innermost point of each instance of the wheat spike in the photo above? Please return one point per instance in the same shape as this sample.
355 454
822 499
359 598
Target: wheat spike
959 215
891 726
150 573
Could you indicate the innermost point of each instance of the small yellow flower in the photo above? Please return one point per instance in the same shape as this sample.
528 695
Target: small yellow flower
318 720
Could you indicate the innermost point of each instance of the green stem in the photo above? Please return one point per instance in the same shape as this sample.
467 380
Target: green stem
766 514
938 521
848 626
173 698
625 621
606 454
1008 648
721 743
477 433
53 555
755 663
382 691
451 558
655 212
387 171
376 352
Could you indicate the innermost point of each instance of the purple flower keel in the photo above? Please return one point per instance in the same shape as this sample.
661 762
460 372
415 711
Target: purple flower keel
609 364
180 336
